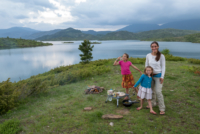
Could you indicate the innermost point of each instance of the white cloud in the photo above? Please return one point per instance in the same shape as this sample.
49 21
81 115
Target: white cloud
52 16
79 1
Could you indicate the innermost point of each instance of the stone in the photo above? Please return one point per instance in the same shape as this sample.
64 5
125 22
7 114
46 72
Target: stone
112 116
88 108
123 111
111 124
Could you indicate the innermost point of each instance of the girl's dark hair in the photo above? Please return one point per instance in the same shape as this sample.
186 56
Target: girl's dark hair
126 55
158 53
146 69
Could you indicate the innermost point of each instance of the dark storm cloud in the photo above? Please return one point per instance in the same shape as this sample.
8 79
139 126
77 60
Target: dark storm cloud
51 14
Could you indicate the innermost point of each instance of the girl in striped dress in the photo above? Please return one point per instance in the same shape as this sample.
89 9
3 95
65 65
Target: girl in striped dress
145 91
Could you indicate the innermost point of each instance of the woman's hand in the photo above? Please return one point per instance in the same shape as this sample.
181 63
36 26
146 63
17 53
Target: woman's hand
161 80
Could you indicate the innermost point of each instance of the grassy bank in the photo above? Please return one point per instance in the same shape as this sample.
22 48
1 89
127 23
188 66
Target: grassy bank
13 43
60 109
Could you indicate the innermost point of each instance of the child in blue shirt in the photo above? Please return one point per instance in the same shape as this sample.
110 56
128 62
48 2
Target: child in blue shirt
145 90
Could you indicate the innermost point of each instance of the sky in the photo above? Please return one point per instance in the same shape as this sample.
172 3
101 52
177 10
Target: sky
98 15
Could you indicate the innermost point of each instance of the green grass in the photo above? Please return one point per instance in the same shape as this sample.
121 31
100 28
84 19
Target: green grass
60 110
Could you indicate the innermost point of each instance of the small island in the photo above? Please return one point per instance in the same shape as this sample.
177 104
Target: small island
95 42
14 43
68 42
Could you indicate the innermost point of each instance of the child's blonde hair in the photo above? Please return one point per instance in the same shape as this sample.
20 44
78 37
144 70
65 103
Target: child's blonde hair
146 69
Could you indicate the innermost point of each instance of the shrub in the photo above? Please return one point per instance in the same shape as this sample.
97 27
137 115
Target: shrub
174 58
194 61
137 60
36 86
8 96
10 127
193 69
165 51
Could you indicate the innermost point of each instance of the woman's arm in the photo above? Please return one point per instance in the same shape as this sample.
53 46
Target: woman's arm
147 61
136 68
139 81
162 68
116 61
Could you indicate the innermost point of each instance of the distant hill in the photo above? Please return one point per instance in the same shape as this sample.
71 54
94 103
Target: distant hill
17 32
95 32
194 38
164 33
161 33
140 27
67 34
182 25
119 35
73 34
42 33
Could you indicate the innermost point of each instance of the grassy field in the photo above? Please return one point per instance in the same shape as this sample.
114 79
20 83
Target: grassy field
60 110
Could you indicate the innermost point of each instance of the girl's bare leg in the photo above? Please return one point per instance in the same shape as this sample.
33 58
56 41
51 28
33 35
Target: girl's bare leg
141 104
127 92
150 106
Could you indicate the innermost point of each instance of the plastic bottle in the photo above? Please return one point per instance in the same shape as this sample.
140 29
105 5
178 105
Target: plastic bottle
110 97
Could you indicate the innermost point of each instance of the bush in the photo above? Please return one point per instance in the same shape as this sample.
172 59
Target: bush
8 96
36 86
193 69
137 60
165 51
194 61
12 93
10 127
174 58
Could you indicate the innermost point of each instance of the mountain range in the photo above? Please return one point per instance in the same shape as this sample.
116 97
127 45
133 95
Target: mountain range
183 25
133 31
17 32
74 34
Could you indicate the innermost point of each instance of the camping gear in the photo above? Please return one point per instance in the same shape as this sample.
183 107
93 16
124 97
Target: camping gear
128 103
119 95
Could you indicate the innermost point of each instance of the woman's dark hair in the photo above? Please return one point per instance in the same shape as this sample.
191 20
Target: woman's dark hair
158 53
146 69
126 55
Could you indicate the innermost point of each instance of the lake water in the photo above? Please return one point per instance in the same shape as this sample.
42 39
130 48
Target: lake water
21 63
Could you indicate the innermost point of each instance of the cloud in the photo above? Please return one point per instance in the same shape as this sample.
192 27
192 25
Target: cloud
94 14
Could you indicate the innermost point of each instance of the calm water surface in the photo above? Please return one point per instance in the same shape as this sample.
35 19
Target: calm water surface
21 63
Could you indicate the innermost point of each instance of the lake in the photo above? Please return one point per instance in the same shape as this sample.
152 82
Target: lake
21 63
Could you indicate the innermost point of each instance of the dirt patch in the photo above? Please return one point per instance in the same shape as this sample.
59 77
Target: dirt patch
123 112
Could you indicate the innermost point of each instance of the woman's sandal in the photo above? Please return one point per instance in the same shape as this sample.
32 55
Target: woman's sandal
154 113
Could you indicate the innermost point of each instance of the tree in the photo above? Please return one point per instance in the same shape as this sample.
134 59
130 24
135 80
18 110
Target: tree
165 51
86 48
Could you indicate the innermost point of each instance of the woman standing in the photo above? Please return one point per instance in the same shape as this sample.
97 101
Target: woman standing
157 61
